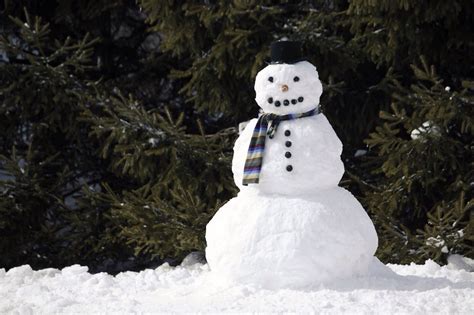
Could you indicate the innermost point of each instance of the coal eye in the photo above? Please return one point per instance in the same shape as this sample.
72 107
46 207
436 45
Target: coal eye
296 79
270 79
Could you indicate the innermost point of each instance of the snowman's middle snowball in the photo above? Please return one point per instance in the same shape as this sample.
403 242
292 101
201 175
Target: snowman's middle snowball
267 125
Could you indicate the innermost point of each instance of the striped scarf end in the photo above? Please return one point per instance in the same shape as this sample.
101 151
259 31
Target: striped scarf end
247 181
251 171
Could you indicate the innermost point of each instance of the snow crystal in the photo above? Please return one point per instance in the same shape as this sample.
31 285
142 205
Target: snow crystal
426 128
124 31
360 153
194 258
458 262
4 176
435 241
242 126
153 142
4 57
151 42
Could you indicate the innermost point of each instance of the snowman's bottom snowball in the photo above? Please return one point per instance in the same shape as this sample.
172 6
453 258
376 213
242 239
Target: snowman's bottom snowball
282 242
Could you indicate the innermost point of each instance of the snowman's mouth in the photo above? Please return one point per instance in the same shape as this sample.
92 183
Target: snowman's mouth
285 102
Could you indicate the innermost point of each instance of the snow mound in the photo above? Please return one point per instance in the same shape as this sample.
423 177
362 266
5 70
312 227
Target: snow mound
414 289
281 242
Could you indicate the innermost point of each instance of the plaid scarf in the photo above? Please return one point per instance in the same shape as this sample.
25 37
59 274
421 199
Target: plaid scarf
267 124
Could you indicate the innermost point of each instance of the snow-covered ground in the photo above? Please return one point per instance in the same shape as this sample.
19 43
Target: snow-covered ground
190 288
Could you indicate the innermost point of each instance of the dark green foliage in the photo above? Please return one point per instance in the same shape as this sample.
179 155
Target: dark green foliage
47 155
420 196
52 215
167 212
425 150
27 194
222 47
88 175
398 32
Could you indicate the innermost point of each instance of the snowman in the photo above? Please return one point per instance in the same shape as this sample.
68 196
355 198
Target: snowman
291 225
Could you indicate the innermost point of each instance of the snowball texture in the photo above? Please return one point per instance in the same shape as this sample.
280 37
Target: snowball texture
282 242
308 86
295 228
315 157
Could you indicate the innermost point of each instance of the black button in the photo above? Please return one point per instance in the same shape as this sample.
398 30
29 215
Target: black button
286 102
296 79
287 133
294 102
288 144
270 100
270 79
277 103
287 154
289 168
300 99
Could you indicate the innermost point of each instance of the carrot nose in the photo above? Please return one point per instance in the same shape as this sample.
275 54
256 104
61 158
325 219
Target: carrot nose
284 88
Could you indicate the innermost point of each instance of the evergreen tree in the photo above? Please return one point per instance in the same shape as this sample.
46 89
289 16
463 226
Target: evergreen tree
423 203
51 70
180 178
45 153
420 196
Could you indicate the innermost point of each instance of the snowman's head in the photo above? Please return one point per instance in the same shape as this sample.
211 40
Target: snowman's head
288 88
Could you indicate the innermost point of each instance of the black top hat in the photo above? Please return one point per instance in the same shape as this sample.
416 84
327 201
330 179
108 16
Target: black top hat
284 51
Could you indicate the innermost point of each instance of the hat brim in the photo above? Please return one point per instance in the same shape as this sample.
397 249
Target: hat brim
279 62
